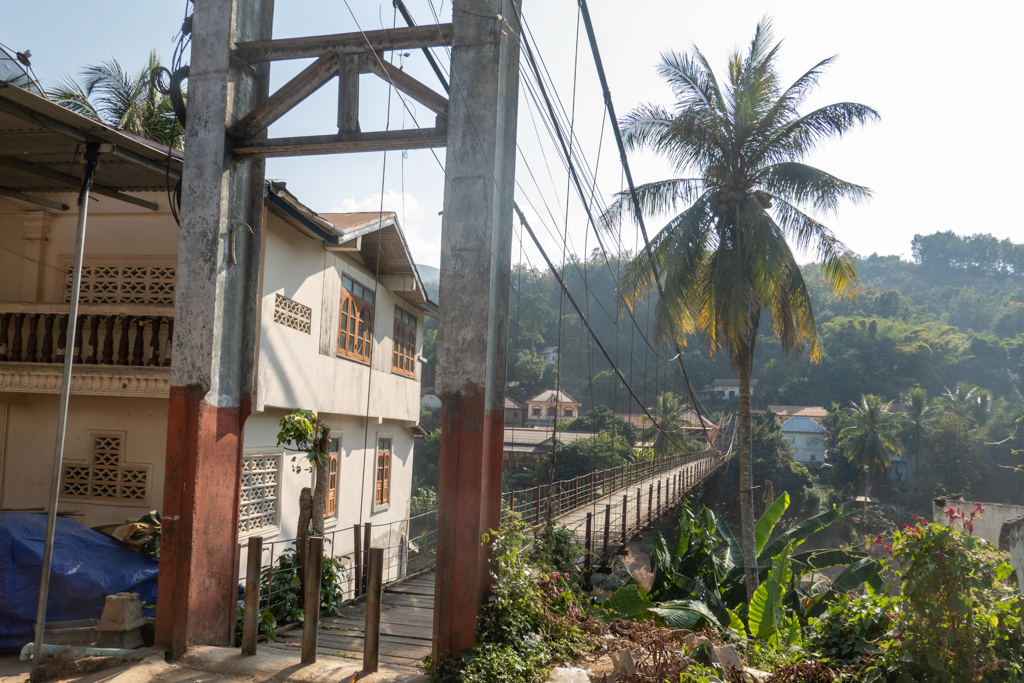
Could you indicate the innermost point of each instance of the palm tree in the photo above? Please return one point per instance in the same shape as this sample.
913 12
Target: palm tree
872 437
129 102
919 414
668 410
725 260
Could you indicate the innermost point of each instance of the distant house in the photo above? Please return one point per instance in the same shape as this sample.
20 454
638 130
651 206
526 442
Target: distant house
428 399
816 413
525 447
550 354
550 406
515 413
726 388
807 439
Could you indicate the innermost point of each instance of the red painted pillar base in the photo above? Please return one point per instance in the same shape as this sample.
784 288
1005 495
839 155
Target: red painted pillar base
469 505
198 575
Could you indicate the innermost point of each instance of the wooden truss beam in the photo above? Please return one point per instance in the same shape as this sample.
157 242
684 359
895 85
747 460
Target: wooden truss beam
433 35
377 141
287 96
73 182
409 85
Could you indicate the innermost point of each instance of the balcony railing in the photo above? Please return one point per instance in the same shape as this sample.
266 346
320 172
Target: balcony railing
130 335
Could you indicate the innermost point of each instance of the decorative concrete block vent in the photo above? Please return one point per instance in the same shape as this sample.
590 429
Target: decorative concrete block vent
121 621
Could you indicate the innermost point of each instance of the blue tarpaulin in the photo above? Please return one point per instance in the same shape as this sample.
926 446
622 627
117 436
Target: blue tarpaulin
87 567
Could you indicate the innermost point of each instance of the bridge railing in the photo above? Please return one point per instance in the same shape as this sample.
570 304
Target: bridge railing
547 502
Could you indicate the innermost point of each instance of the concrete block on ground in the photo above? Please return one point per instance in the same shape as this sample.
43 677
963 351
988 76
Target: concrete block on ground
566 675
121 622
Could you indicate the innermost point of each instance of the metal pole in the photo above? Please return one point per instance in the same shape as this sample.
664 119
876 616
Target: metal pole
92 153
250 618
357 561
311 605
625 512
367 528
374 591
588 561
607 528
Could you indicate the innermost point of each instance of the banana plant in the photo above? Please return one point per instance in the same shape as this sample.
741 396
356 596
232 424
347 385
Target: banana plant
704 566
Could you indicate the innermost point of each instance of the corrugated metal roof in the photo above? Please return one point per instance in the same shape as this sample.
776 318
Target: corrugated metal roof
802 424
43 136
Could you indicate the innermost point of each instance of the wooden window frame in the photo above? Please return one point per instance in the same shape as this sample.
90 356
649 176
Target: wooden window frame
356 342
403 356
382 472
333 475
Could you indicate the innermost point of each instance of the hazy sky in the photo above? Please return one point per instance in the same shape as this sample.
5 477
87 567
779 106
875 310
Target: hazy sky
945 156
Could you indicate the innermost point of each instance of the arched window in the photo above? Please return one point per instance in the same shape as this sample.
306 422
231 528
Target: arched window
355 322
551 412
568 412
404 357
536 411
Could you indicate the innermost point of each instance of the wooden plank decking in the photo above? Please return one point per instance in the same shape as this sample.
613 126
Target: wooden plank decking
406 626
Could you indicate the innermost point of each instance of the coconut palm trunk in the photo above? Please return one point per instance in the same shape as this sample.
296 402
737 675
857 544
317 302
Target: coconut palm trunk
748 518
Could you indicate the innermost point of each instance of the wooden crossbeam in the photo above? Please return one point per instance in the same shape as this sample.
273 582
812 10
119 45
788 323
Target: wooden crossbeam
307 82
376 141
73 182
409 85
433 35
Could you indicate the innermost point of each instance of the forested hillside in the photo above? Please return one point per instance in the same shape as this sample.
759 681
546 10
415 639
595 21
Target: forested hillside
955 313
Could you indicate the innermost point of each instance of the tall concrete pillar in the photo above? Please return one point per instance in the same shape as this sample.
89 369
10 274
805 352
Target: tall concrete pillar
216 315
476 242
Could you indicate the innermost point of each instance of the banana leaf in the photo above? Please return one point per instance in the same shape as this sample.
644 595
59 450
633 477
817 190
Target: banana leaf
764 527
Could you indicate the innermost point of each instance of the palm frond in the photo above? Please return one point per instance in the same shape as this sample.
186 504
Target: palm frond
69 94
835 260
655 199
798 183
799 137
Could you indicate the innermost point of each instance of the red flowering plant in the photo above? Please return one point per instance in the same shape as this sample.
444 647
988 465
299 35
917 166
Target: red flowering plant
957 617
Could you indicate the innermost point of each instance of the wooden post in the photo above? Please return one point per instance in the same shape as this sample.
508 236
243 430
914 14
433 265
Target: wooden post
587 558
607 529
250 617
367 528
357 561
658 508
374 593
311 605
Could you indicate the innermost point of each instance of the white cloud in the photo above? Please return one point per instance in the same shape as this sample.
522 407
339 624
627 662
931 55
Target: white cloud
422 226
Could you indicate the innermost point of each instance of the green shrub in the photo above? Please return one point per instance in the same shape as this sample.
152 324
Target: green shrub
851 627
533 616
952 617
958 618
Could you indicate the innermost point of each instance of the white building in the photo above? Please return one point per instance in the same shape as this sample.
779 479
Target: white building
340 333
550 354
727 388
807 440
551 406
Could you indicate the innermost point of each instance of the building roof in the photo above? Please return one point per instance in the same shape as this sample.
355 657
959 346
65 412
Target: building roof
372 237
511 404
813 412
42 144
551 349
802 424
551 395
536 437
731 383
